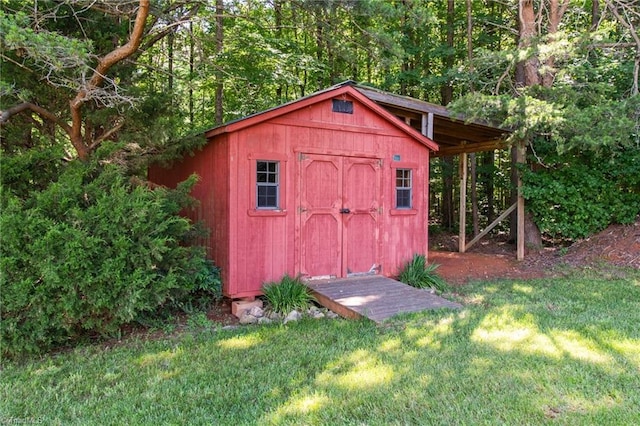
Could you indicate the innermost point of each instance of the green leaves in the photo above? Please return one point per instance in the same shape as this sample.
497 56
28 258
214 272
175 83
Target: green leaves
90 253
287 294
576 200
417 273
50 51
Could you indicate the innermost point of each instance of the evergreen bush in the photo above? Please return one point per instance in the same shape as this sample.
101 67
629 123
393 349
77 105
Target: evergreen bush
90 253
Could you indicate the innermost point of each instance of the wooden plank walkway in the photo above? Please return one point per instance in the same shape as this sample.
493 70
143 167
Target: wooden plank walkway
375 297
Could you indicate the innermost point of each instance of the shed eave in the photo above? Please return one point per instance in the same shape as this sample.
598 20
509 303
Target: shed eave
345 89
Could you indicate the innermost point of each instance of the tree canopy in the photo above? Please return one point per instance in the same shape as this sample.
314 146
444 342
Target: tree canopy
140 77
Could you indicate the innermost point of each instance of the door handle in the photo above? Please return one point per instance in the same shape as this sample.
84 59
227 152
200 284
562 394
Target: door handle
345 211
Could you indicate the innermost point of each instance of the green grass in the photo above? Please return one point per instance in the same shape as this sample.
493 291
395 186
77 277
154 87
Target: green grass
555 351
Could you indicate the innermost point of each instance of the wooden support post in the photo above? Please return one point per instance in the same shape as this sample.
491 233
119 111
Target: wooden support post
427 125
462 236
493 224
520 159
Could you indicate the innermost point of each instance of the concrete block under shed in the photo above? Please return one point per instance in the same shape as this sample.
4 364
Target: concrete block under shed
239 307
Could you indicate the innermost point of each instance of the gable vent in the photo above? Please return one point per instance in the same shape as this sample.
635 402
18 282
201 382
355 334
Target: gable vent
344 107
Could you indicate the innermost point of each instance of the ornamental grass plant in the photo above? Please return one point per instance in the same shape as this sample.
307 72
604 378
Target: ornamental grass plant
287 294
417 273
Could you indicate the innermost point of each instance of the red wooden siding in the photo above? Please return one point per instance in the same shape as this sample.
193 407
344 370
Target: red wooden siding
328 162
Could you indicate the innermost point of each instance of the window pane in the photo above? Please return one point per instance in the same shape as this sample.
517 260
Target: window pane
267 191
403 198
403 189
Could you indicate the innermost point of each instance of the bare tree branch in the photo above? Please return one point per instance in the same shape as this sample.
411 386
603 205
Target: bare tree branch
628 24
107 134
42 112
99 75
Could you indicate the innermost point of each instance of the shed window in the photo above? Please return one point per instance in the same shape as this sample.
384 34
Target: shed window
345 107
268 184
404 188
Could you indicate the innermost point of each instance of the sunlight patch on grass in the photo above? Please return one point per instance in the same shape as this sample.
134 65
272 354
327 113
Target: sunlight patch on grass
302 404
163 357
241 342
629 348
360 370
576 346
502 330
527 289
391 345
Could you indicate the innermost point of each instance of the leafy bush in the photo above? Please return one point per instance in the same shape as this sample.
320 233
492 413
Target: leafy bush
417 273
287 294
90 253
577 200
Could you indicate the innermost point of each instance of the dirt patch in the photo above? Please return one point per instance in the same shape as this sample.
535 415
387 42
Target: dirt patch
618 244
495 257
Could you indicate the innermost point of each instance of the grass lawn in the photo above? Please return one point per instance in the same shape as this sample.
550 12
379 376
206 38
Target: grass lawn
553 351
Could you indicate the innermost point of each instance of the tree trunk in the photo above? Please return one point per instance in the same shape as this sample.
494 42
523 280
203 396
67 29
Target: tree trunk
487 178
531 77
447 89
595 14
170 42
474 194
446 93
447 192
191 69
219 45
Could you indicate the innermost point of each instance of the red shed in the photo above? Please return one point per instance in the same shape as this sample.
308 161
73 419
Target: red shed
330 185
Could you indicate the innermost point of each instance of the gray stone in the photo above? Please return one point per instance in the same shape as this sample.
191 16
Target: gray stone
256 311
313 309
275 316
293 316
332 315
248 319
317 314
264 320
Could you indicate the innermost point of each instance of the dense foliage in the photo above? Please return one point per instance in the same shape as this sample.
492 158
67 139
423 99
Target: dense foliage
91 252
83 247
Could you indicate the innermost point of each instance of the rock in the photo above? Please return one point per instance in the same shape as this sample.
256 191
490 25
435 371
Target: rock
293 316
256 311
332 315
248 319
313 310
264 320
229 327
316 314
274 316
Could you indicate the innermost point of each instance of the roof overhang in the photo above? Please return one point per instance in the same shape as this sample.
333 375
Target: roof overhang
346 88
452 133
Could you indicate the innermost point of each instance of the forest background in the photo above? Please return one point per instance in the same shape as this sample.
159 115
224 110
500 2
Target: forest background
92 92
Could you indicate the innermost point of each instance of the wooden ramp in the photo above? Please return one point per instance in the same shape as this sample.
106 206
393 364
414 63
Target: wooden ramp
374 297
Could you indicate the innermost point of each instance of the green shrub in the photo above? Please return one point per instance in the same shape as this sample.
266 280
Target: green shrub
417 273
287 294
90 253
578 200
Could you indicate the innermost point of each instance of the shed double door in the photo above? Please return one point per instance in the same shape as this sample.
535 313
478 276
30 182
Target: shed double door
339 212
